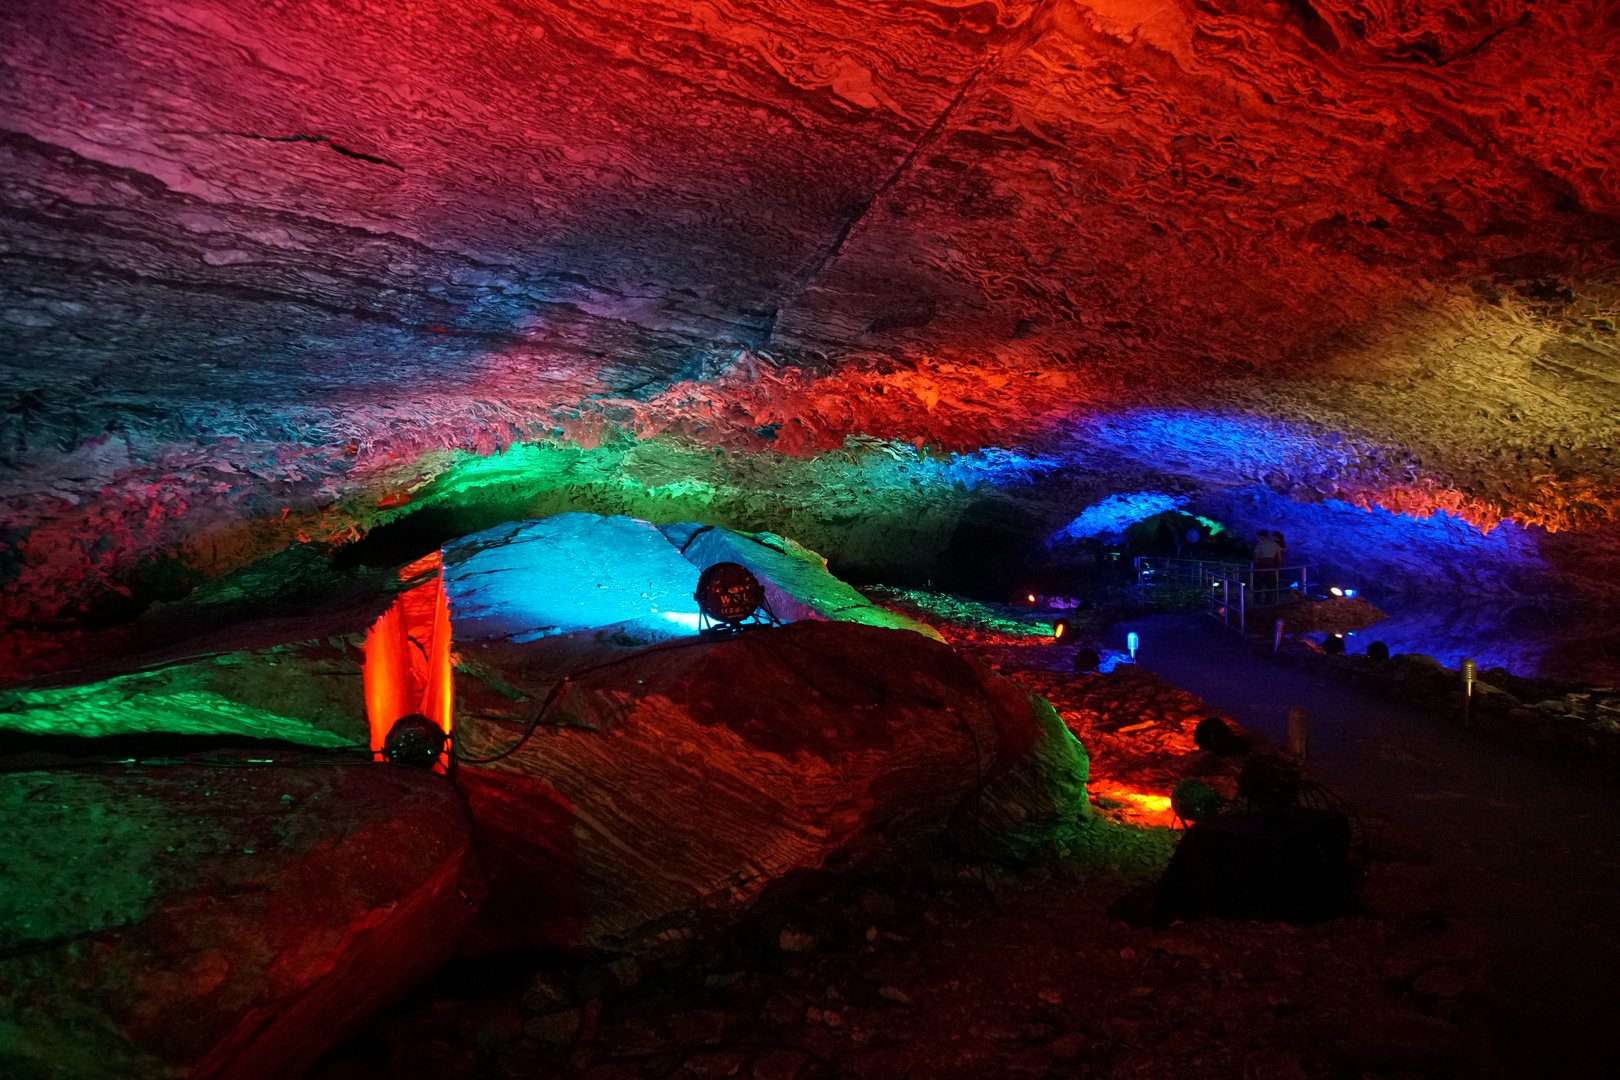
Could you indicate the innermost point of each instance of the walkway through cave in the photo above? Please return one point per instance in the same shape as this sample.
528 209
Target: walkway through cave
1528 848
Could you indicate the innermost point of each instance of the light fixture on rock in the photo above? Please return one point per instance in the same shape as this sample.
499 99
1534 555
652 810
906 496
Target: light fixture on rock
728 594
416 741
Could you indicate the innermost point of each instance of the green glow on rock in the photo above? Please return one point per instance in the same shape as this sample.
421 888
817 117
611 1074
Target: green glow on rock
108 708
873 502
961 611
290 693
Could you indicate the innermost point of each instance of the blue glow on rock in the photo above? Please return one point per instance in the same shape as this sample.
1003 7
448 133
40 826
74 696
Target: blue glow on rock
559 575
1116 513
1209 445
1111 660
891 462
624 580
1383 552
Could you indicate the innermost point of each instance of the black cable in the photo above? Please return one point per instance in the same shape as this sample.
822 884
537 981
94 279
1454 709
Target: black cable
696 533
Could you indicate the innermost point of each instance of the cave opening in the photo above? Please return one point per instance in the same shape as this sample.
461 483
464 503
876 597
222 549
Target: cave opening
373 365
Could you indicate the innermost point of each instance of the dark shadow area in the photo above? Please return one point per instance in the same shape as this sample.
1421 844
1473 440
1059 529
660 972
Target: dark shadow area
1525 847
24 750
424 531
994 548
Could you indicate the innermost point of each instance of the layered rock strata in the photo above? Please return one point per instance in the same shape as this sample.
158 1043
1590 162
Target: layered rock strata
661 796
269 270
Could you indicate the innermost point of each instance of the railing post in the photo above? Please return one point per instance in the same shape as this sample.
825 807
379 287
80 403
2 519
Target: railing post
1243 611
1299 733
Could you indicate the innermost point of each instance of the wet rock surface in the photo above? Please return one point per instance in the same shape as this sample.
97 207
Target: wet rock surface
228 918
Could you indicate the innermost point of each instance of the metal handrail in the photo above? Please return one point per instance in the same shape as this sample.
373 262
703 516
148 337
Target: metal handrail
1223 607
1193 569
1256 586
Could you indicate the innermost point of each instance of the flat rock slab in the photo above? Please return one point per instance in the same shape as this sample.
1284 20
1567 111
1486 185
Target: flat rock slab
209 921
309 692
574 590
569 573
678 785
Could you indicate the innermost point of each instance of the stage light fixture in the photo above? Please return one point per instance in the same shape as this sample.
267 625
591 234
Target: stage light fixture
416 741
1060 629
1336 591
1132 642
729 593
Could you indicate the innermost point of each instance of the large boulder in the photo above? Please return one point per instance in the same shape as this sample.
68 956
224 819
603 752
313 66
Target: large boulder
668 789
220 922
579 589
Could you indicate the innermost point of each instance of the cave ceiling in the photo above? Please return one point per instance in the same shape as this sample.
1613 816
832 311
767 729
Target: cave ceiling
266 256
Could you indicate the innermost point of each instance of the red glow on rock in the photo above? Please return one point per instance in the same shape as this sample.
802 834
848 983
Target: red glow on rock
1136 805
407 668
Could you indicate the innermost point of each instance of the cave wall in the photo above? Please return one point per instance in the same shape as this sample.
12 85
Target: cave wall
279 271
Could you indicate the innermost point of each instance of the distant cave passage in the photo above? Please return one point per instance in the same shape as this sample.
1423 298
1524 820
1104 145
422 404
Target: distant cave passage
407 667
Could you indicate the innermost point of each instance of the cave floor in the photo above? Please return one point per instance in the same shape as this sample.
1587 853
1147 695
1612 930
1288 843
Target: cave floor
1527 848
951 970
960 972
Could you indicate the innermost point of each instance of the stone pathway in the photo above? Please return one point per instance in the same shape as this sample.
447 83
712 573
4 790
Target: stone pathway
1530 849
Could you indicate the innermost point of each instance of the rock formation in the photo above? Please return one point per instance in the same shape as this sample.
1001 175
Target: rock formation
286 271
660 795
218 920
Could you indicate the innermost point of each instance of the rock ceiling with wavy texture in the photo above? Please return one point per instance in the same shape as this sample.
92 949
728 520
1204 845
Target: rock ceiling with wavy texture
273 269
